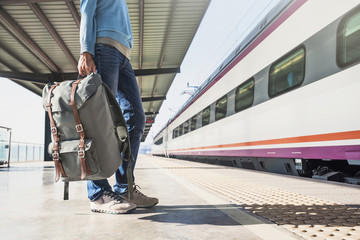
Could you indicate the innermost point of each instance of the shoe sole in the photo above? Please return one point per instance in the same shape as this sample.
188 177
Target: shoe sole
112 212
146 206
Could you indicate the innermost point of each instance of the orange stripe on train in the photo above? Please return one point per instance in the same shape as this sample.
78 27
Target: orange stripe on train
301 139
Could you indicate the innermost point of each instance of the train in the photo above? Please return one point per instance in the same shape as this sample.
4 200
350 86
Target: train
286 100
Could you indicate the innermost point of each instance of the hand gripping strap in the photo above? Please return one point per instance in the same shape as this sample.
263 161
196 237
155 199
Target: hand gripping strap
79 128
56 138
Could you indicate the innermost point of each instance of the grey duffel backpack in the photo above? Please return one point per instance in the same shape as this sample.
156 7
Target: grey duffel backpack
89 134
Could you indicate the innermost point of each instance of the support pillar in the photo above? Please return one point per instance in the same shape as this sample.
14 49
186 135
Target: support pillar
47 138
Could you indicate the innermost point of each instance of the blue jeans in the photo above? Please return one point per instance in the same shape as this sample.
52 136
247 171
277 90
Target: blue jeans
117 73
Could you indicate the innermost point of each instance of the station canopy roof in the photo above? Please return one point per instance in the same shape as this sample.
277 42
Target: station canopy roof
39 43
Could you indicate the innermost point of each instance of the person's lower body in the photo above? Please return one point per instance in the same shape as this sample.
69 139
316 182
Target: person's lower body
117 73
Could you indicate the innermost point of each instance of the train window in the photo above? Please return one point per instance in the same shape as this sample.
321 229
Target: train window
221 108
159 142
287 73
176 132
181 132
348 47
193 123
205 116
186 127
244 95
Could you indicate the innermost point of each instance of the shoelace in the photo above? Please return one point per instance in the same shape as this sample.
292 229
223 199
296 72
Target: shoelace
114 196
137 191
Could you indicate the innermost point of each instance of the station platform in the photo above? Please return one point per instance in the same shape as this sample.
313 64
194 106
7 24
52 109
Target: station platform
196 201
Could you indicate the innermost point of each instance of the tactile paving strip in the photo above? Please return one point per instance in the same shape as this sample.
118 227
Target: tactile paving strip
306 216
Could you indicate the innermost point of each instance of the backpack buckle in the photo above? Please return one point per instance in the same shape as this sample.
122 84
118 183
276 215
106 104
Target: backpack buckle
55 156
81 153
79 128
54 130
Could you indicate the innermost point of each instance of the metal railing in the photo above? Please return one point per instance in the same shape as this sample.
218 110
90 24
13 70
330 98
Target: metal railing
21 152
18 151
5 145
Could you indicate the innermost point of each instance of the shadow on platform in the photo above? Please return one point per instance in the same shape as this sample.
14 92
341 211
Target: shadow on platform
188 214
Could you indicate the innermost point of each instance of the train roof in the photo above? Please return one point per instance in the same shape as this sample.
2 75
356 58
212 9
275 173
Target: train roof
243 47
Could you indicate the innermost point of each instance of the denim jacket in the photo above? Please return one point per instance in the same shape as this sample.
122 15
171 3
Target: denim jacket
104 18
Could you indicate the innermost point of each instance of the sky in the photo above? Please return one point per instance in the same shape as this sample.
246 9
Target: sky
21 110
223 27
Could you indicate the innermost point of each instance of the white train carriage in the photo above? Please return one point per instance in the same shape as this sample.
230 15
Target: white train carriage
286 101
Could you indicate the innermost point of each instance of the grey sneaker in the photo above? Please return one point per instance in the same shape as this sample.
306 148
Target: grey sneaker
113 203
141 200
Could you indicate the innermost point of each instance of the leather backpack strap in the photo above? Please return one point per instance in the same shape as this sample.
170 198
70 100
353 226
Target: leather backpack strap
79 128
56 138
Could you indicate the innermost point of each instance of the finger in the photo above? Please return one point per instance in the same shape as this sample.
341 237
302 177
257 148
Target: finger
94 68
85 69
82 71
88 70
91 66
81 66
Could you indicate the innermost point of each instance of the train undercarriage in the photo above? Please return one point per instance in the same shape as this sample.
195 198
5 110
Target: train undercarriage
321 169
